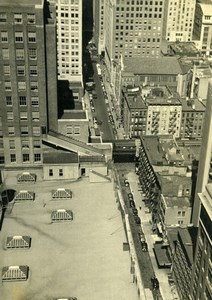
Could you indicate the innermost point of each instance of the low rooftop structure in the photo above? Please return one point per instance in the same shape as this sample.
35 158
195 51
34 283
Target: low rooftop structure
183 49
162 65
180 202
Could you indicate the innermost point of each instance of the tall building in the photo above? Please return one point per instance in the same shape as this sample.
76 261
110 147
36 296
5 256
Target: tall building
132 29
69 39
99 30
178 20
202 32
202 213
28 85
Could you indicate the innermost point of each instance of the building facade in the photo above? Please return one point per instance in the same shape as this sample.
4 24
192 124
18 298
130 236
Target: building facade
202 31
193 112
178 20
69 39
150 111
202 213
29 80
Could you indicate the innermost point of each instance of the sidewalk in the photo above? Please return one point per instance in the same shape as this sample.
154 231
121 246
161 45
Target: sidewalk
112 105
167 292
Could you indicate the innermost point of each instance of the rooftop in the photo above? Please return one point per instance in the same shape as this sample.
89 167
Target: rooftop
206 8
21 2
183 48
177 201
74 114
59 157
163 150
173 185
162 65
192 105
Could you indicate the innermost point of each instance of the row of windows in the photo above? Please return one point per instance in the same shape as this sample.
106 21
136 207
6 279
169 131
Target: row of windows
51 172
23 101
22 86
24 116
25 144
19 37
18 18
20 54
26 158
24 131
21 71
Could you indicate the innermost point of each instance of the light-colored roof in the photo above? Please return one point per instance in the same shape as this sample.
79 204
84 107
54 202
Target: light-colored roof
21 2
162 65
206 8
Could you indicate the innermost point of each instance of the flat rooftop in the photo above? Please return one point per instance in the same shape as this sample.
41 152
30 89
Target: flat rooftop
184 48
83 258
21 2
192 105
74 114
177 201
162 65
60 157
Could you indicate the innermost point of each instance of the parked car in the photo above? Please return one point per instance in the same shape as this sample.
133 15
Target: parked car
142 237
137 220
134 211
132 203
126 182
144 247
155 282
92 109
130 196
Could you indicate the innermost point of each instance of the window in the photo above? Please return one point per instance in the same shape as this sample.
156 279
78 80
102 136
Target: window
37 157
24 130
36 131
32 37
25 157
35 116
51 172
8 86
3 18
36 144
6 70
23 115
32 53
19 37
34 86
12 157
60 172
11 130
183 213
9 101
19 54
76 129
22 86
1 159
4 36
10 116
33 70
22 100
69 130
25 144
5 53
20 70
12 144
18 18
31 18
179 213
35 101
